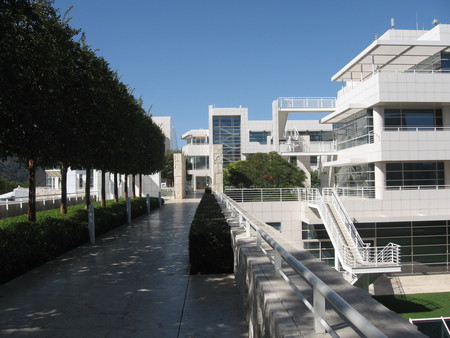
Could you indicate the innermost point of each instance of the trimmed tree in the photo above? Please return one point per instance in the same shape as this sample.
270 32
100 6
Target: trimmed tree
264 171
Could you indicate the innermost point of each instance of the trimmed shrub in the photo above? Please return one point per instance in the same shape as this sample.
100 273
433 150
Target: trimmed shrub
25 245
210 239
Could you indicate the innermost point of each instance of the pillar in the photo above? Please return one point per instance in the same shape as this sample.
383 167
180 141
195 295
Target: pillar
380 179
179 175
217 168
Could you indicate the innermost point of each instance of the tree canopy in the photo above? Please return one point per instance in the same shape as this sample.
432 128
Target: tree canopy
263 170
62 105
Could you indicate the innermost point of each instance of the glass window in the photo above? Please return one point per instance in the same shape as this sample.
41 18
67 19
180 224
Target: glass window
259 136
412 118
414 174
355 176
227 131
355 130
199 162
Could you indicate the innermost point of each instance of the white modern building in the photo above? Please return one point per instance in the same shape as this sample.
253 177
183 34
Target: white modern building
382 151
392 161
300 141
151 184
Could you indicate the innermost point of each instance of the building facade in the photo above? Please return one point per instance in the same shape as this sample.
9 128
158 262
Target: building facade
391 165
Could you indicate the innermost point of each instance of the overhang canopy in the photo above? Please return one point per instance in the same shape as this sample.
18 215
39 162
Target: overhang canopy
390 55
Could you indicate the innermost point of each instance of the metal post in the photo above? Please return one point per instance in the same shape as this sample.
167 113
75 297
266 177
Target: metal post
247 228
258 241
277 261
159 199
129 210
91 223
319 310
147 203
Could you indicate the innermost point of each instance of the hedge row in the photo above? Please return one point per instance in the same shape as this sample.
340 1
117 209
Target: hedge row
209 239
25 245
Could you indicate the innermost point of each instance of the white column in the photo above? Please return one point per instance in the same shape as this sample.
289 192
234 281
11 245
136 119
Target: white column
378 122
380 179
275 130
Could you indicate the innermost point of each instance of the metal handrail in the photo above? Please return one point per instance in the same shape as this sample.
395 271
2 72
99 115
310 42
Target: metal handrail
331 196
307 102
360 254
321 291
402 129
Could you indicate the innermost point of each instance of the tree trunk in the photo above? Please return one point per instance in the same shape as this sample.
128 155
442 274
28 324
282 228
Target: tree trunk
63 205
32 190
116 189
88 189
140 185
133 186
125 194
103 193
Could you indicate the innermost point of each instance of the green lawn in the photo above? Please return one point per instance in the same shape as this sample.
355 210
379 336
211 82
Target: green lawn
422 305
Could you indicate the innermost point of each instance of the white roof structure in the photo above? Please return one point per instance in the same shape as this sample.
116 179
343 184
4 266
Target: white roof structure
396 51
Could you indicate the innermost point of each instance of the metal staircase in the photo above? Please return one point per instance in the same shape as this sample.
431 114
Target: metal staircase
356 257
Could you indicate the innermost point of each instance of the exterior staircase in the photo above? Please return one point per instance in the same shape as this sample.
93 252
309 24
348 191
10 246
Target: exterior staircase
362 263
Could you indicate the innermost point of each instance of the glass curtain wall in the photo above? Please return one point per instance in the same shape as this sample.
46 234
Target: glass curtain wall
409 174
227 131
411 119
362 175
425 245
354 130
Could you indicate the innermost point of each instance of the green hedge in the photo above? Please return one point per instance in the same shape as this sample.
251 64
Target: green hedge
209 239
25 245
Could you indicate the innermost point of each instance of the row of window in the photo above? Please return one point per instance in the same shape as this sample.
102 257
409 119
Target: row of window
414 174
425 245
412 118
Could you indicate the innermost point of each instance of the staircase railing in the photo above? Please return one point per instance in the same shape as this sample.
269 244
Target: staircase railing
342 250
363 255
330 195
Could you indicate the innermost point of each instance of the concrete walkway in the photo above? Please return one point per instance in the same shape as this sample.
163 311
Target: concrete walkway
133 283
410 284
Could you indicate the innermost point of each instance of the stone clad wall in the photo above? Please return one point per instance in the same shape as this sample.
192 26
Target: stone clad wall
217 168
179 175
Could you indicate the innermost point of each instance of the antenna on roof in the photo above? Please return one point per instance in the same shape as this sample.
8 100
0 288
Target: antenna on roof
392 23
435 22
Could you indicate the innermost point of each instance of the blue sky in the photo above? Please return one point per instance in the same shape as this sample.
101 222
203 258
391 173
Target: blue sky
181 56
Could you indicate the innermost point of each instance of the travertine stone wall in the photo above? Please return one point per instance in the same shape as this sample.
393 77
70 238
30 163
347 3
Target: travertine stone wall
179 175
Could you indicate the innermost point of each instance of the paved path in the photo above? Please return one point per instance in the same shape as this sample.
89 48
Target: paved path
133 283
410 284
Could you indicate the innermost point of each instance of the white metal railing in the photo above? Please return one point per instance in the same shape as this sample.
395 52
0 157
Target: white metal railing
266 194
402 129
322 293
356 254
307 102
45 198
331 197
311 147
419 187
359 254
360 192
